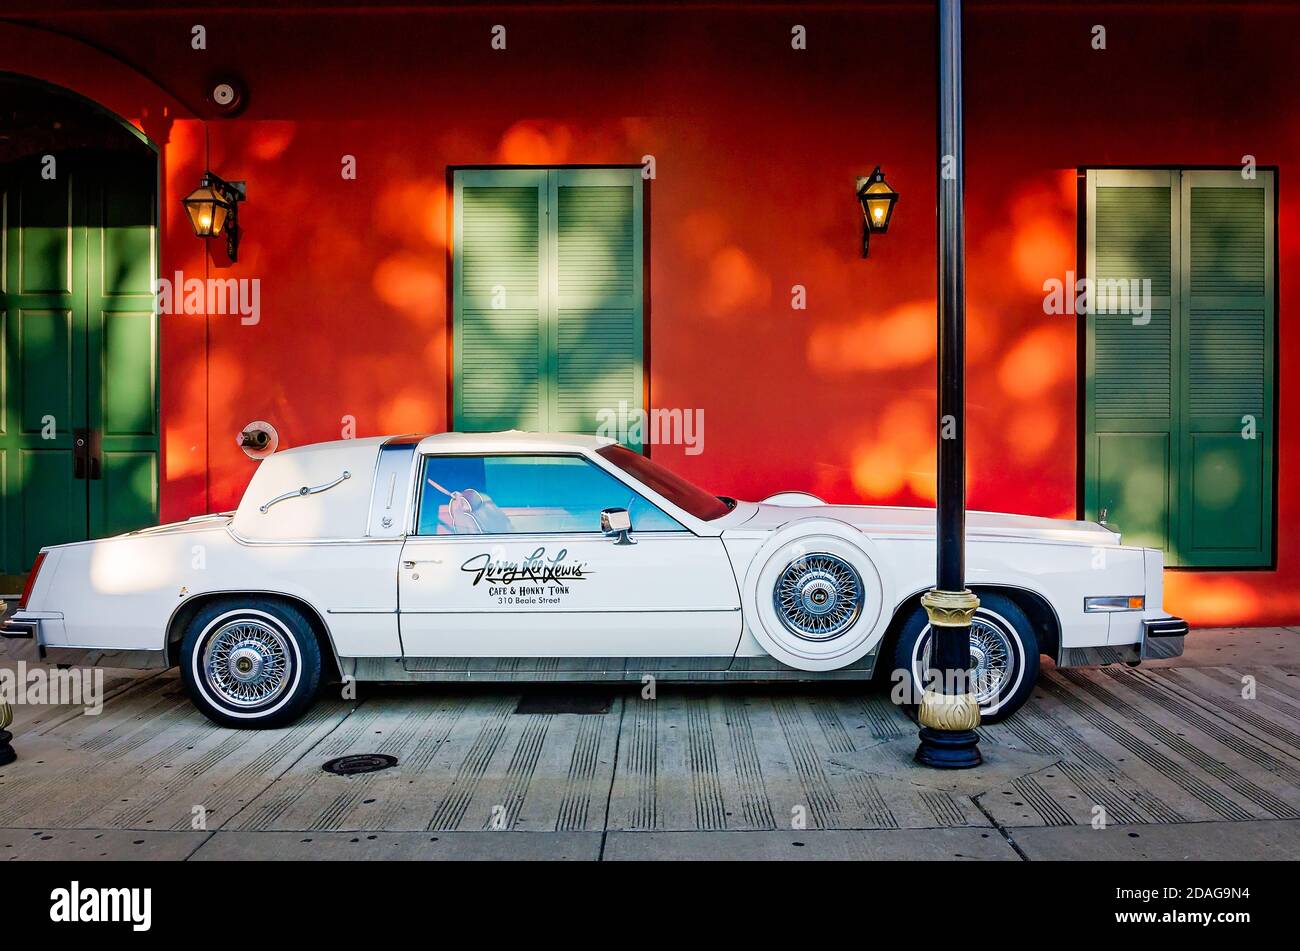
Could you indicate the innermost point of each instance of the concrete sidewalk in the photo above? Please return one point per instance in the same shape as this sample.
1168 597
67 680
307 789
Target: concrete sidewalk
1193 758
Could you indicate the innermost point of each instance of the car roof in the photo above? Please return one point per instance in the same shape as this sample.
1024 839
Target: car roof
513 440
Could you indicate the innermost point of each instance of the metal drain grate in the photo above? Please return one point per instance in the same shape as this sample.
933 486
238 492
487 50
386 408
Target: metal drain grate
542 701
360 763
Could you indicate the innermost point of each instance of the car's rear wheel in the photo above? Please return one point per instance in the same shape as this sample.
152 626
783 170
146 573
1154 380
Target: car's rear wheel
1004 655
251 664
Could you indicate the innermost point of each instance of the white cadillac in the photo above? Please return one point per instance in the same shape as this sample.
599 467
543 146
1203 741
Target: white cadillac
518 556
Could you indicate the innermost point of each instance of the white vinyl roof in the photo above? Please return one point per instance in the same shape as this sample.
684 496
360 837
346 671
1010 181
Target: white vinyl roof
512 441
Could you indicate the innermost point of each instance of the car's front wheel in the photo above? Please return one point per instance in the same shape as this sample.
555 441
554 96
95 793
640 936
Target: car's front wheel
1004 655
251 664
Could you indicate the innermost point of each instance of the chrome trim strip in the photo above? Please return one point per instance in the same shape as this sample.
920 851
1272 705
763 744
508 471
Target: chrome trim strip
102 657
534 612
299 542
305 491
602 670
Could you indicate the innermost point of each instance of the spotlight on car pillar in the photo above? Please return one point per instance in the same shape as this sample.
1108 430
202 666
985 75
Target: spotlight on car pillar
877 200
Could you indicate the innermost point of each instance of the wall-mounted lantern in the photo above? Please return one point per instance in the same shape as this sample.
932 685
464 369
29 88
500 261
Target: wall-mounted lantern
877 200
213 207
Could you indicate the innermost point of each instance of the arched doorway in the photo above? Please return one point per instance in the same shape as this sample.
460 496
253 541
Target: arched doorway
79 434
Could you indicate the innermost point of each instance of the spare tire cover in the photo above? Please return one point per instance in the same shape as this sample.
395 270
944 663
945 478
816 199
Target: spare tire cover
796 546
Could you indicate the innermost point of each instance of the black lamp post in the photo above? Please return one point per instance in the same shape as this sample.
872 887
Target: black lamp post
7 754
949 712
213 207
877 200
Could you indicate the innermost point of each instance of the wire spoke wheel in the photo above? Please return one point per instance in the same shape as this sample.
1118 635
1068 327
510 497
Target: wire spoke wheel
818 596
246 663
992 660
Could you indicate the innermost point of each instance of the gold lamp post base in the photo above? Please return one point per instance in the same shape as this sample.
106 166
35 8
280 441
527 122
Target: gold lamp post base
949 720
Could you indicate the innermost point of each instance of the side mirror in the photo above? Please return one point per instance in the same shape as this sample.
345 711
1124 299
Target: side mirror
617 524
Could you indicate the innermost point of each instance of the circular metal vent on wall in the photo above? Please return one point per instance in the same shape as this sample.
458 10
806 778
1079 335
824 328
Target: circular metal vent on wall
360 763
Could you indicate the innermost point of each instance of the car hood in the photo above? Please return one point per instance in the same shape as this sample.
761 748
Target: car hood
900 520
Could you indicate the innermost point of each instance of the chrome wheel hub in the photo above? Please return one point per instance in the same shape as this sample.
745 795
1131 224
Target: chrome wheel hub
246 663
991 660
818 597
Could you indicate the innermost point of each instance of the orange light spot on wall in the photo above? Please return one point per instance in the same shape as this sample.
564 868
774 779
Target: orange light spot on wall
878 472
412 410
1031 432
270 139
1039 361
921 478
905 337
535 143
183 456
1041 249
735 282
984 333
409 283
414 211
702 232
907 424
1067 186
225 377
1210 602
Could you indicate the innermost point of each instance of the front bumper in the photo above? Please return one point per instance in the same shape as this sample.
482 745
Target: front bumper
1163 637
1160 637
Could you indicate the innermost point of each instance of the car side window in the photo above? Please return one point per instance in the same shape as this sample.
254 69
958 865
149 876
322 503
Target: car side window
518 495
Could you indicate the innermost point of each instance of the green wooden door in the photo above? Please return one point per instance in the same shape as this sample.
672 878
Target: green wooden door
79 352
547 299
1178 444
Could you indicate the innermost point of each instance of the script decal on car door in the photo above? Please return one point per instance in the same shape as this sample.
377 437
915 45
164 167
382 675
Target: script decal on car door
537 579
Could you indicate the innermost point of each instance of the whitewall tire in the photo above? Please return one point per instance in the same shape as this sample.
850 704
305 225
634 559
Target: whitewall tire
251 663
1004 655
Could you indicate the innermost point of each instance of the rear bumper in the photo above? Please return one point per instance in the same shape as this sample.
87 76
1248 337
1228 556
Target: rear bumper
27 634
19 630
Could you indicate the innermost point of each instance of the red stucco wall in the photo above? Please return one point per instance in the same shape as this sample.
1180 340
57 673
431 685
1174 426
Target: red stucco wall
756 147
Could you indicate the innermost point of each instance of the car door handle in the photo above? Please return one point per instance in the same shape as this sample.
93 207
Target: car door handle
422 561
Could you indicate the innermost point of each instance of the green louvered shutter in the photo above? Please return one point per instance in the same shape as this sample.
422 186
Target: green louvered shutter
547 299
500 300
1132 367
1180 427
597 301
1225 500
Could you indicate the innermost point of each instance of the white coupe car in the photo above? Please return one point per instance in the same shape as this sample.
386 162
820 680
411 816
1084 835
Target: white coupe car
518 556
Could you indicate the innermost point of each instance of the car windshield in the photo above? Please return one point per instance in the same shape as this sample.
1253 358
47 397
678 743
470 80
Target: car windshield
686 496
